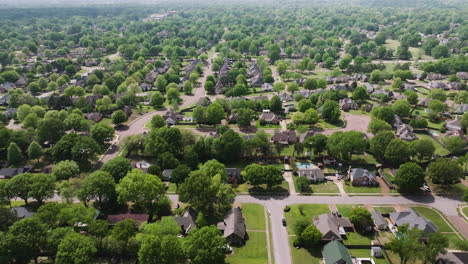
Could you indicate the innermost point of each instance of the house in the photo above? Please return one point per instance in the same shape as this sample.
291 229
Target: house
454 124
234 175
405 132
139 218
257 80
347 104
332 227
4 100
10 112
434 76
187 221
167 174
456 86
267 87
412 219
397 121
362 177
287 137
233 227
5 87
462 75
335 252
22 212
437 85
460 108
301 81
145 87
329 160
376 252
342 79
379 220
96 117
339 87
151 76
361 77
452 258
8 173
305 93
382 92
311 172
172 117
285 97
424 102
267 117
232 118
418 76
369 87
289 107
253 70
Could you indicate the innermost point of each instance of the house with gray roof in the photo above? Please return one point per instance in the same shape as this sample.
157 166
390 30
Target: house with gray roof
405 132
312 173
379 220
454 124
347 104
462 75
233 227
167 174
413 220
8 173
332 227
362 177
22 212
285 97
460 108
267 117
369 87
187 221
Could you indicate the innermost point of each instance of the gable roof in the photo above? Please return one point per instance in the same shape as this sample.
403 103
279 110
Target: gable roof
22 212
412 219
330 226
188 220
405 132
233 224
378 218
336 253
358 173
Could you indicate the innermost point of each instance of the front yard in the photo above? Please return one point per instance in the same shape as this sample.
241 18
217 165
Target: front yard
305 211
349 188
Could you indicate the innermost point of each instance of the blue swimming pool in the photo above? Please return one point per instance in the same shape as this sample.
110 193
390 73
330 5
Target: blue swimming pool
304 165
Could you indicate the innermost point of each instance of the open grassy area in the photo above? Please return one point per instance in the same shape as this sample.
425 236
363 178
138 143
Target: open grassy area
345 209
171 187
254 216
324 187
355 238
366 253
106 121
465 210
364 159
257 124
384 209
306 211
245 187
302 129
357 189
435 217
325 125
439 149
253 252
448 189
304 256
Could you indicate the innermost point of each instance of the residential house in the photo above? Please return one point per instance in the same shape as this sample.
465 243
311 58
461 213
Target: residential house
301 81
96 117
397 121
332 227
253 70
412 219
7 86
418 76
167 174
233 227
266 87
287 137
22 212
306 93
454 124
379 220
369 87
10 112
424 102
335 252
4 100
234 175
462 75
187 221
139 218
151 76
289 107
388 94
339 87
267 117
342 79
21 82
435 77
362 177
437 85
361 77
405 132
285 97
347 104
171 117
257 80
8 173
452 258
457 86
145 87
127 110
232 118
329 80
460 108
311 172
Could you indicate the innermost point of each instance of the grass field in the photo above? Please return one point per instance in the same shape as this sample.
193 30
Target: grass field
354 238
356 189
306 211
245 187
324 187
384 209
171 187
364 159
434 216
325 125
257 123
448 189
304 256
465 211
345 209
254 216
253 252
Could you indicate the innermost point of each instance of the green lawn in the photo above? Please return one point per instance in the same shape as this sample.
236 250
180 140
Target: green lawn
465 211
434 216
384 209
366 253
106 121
308 211
171 187
345 209
354 238
253 252
304 256
324 187
287 151
254 216
245 187
364 159
325 125
257 123
448 189
452 238
439 149
302 129
356 189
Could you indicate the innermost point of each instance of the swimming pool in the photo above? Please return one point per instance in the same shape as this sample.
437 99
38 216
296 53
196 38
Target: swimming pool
304 165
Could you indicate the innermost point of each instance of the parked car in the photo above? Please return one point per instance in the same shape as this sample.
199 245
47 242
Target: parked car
426 187
284 222
329 178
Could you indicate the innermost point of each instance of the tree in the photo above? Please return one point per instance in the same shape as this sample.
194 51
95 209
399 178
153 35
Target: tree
214 113
274 53
42 186
157 121
196 191
401 108
437 106
118 167
409 177
7 218
98 186
229 146
244 117
397 83
14 155
440 51
199 114
422 148
311 116
360 93
118 117
344 144
205 245
361 218
384 113
304 105
281 67
310 237
317 143
403 52
456 145
102 133
209 87
438 94
303 184
187 86
173 95
377 125
310 84
406 244
275 104
75 249
144 190
65 170
35 150
331 111
397 151
20 186
160 83
376 76
257 175
24 239
436 244
444 170
180 173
